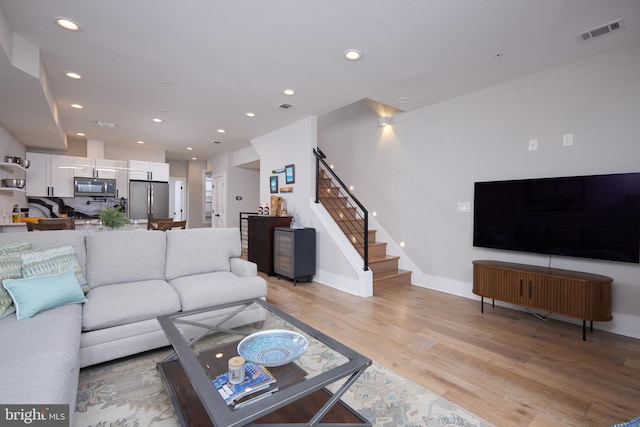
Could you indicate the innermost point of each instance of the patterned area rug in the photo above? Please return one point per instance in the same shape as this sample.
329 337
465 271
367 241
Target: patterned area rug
129 393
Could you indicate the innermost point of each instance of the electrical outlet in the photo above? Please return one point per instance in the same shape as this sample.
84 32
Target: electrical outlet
533 144
567 139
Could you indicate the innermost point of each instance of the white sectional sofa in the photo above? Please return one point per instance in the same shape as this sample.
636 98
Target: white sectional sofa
133 277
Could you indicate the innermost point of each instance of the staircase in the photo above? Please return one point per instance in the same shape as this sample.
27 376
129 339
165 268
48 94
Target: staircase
386 274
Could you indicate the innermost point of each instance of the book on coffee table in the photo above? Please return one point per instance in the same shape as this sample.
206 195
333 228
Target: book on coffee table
257 378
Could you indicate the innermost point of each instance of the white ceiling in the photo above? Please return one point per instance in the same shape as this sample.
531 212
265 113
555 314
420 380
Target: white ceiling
200 65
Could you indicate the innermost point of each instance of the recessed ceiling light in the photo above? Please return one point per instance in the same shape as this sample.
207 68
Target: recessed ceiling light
189 148
221 131
251 114
216 142
194 158
140 142
78 106
68 24
352 54
289 92
402 100
73 75
157 120
81 134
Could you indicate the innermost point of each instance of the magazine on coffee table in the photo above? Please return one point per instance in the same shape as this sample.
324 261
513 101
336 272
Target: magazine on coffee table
257 378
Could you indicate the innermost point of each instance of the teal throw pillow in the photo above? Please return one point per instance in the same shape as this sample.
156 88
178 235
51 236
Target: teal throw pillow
36 294
47 261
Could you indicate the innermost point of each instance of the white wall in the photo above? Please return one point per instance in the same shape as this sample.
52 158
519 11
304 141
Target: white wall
146 154
415 173
293 144
241 183
195 194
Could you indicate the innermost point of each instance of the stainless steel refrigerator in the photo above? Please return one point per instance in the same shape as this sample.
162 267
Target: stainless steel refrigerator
148 199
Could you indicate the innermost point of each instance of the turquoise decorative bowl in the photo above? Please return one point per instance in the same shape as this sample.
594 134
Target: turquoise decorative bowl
272 348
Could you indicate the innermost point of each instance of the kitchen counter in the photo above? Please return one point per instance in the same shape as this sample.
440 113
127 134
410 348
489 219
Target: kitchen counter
12 227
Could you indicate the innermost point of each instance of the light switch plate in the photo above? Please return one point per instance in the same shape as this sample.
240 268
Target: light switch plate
533 144
464 206
567 139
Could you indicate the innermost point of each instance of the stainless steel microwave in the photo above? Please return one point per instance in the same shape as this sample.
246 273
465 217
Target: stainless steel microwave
100 187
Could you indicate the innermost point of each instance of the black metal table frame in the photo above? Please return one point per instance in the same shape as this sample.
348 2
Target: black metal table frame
213 403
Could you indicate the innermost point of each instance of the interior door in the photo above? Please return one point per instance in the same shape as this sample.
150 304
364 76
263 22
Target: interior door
218 205
177 199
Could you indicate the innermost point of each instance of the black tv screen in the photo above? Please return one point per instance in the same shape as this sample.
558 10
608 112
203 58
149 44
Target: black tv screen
595 216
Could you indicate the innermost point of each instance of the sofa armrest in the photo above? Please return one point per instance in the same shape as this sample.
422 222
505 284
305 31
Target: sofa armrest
243 268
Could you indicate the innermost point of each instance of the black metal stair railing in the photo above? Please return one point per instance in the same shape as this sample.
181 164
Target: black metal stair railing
335 196
244 231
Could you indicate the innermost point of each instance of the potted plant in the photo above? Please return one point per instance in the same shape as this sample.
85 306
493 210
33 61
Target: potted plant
113 217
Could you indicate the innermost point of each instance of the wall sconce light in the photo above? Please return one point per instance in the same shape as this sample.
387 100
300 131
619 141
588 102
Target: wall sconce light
385 121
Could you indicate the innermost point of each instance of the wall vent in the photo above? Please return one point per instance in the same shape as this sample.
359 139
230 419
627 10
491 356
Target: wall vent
285 106
600 31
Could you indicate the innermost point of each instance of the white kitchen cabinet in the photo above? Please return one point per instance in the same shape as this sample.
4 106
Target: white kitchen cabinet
50 175
122 178
87 167
83 167
148 171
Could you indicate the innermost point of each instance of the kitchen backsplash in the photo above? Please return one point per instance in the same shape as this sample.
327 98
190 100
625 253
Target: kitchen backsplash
78 207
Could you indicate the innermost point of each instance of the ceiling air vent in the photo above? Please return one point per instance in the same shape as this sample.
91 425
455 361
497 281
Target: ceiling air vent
106 125
600 31
285 106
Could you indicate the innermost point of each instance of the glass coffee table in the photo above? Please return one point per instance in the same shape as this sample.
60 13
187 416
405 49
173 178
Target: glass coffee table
204 340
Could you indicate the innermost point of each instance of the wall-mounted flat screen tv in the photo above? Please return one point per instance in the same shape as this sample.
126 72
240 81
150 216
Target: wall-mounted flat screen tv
595 216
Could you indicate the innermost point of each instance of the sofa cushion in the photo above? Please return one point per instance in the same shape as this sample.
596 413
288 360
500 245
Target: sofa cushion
40 356
201 250
123 303
54 260
125 256
209 289
74 238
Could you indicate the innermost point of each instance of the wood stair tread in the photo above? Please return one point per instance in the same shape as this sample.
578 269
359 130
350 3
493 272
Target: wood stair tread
386 258
387 274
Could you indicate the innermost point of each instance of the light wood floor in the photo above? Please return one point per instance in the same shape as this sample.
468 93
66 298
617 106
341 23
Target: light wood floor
506 366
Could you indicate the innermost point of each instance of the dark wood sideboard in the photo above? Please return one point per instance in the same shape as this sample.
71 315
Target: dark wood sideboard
260 239
575 294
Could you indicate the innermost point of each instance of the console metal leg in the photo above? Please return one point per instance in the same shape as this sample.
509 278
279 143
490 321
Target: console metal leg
481 304
584 330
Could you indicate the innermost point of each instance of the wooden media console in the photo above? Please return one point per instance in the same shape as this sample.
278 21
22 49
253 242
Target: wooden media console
570 293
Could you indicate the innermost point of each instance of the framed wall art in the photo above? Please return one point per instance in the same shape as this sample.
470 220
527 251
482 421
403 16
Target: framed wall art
290 174
273 184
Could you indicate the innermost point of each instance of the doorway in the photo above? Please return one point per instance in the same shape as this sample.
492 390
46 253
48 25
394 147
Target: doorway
177 199
218 201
